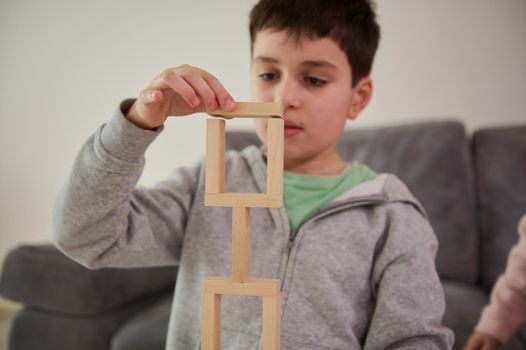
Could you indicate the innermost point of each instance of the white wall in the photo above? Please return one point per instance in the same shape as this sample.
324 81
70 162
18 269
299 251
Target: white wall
65 64
460 58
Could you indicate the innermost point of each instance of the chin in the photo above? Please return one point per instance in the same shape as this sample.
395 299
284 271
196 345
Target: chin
294 157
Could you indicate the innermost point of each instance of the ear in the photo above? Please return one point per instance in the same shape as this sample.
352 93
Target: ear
361 96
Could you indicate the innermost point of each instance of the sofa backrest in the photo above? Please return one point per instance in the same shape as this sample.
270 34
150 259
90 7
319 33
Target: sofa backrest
500 166
433 160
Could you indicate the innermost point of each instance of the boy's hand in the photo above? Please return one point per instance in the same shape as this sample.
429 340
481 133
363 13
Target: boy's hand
481 341
178 91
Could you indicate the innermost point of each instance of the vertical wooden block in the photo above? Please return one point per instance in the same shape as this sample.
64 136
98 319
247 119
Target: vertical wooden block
240 244
271 322
215 156
240 283
275 144
210 321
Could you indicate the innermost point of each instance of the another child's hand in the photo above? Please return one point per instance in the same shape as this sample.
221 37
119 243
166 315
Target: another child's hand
178 91
481 341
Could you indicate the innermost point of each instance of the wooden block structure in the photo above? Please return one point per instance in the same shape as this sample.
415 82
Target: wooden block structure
240 282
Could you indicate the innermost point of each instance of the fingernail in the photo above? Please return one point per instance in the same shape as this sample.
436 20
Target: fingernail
195 102
151 95
230 104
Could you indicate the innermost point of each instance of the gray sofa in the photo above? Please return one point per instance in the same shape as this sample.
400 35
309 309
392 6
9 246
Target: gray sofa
473 187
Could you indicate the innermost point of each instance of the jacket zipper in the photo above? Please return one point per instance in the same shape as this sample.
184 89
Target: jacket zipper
327 211
290 243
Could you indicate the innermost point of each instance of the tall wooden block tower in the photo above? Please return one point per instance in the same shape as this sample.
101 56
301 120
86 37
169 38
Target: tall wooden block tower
240 282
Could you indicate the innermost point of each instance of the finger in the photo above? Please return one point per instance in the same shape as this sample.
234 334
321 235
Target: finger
225 99
473 343
150 96
470 345
203 89
489 345
170 79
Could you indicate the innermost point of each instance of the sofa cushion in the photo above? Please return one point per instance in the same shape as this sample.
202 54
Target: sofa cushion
33 328
500 165
146 330
41 276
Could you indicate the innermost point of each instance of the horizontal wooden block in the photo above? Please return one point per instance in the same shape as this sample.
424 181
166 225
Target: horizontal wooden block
249 200
258 287
251 110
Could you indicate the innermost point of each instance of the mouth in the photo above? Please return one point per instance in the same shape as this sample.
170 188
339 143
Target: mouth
292 128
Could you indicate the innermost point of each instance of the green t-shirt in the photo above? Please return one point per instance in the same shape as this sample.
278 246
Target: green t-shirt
304 195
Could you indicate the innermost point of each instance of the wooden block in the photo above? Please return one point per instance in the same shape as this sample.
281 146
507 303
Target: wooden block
215 156
210 321
251 110
271 322
240 244
249 200
275 144
259 287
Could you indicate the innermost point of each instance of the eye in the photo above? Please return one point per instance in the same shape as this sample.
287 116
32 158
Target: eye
268 76
315 81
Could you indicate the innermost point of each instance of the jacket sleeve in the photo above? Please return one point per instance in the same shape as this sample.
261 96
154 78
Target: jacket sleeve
409 297
507 308
101 219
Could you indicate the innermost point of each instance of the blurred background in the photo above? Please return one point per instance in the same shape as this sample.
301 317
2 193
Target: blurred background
66 64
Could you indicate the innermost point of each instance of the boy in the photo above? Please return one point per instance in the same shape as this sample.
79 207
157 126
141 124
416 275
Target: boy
352 249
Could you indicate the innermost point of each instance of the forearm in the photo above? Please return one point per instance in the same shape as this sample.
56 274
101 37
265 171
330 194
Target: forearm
94 208
507 308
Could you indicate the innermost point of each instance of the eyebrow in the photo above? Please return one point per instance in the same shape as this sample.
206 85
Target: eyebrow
316 63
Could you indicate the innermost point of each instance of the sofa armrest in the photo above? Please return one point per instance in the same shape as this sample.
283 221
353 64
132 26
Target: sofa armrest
42 277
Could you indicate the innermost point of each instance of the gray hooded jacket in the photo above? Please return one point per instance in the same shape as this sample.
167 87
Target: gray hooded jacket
359 274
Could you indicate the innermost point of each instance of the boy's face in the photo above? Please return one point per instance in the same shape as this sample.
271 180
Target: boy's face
312 80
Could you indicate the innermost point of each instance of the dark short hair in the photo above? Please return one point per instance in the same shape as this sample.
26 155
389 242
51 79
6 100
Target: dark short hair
350 23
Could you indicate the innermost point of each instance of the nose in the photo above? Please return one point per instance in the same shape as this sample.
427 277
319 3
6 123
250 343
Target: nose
287 93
